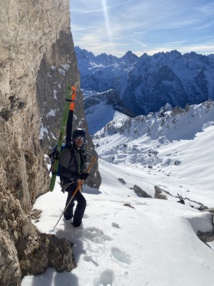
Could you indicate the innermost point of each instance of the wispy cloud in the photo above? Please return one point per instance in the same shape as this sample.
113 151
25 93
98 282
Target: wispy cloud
116 26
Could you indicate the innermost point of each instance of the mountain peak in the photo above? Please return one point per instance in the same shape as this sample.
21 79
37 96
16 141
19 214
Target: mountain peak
130 57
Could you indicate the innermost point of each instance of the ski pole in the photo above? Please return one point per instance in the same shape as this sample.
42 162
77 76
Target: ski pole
80 182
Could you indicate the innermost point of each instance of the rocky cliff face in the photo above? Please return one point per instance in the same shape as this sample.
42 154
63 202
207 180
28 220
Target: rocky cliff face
57 70
35 39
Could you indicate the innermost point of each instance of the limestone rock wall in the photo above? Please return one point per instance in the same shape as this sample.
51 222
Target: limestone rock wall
28 31
35 38
57 71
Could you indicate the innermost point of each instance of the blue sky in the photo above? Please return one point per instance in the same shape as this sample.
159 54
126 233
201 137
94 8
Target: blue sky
143 26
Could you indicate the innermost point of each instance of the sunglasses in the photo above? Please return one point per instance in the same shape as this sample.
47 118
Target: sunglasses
79 138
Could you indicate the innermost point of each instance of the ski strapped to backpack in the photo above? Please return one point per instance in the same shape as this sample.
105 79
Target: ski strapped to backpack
78 188
68 107
70 116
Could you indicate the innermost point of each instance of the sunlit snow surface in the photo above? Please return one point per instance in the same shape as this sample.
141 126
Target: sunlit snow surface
128 240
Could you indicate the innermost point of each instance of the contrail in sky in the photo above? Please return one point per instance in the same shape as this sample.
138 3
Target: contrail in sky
105 11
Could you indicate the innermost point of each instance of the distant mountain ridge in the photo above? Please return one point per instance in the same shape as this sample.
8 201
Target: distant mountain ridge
146 83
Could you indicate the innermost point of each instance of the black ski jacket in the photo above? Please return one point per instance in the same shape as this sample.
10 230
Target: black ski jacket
72 163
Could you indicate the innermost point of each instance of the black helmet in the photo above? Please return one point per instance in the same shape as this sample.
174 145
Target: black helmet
78 132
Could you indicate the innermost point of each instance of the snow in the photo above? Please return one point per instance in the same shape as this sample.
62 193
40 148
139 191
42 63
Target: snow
42 131
95 117
65 66
51 113
128 240
55 93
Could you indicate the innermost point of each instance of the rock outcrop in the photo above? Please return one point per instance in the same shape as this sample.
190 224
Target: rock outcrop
35 42
140 193
24 250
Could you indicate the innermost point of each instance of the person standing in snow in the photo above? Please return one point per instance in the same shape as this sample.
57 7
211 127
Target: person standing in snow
72 165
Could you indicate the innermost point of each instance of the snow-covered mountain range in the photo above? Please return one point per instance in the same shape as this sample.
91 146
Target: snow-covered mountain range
146 83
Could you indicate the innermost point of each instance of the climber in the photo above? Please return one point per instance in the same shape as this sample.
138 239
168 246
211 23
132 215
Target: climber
72 164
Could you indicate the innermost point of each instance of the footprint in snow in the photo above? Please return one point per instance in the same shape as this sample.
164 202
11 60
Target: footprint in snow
106 279
121 255
96 235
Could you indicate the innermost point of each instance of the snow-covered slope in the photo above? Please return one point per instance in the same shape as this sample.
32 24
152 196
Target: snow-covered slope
161 144
128 239
101 108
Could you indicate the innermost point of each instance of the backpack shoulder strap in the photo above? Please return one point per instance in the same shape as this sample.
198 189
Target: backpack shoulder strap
65 157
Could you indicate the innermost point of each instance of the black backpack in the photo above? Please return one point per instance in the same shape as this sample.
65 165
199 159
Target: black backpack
53 156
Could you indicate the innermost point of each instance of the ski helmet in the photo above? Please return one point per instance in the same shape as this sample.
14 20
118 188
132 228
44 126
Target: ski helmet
78 132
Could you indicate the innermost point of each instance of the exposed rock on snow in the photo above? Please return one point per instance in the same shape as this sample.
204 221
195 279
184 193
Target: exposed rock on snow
159 193
140 193
122 181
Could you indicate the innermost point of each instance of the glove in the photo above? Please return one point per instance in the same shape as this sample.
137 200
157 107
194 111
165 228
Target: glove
83 176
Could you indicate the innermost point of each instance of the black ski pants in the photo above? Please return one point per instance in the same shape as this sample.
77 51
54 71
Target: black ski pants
72 212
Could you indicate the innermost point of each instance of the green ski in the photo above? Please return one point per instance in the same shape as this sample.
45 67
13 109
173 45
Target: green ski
69 104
